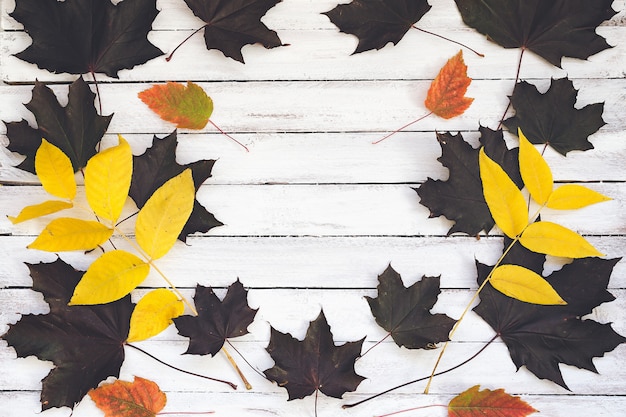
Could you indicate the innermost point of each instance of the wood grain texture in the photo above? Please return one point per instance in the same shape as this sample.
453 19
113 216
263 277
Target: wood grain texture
315 211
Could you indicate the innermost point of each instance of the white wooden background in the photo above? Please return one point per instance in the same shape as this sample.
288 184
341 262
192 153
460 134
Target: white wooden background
314 212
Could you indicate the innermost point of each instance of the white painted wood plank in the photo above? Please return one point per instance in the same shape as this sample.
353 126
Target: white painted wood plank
307 262
380 366
340 210
312 53
325 106
26 403
331 158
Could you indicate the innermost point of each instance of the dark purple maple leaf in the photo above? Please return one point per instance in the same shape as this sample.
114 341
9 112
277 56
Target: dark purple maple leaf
551 117
85 343
551 29
76 129
315 363
405 312
377 22
80 36
233 24
541 337
460 197
216 320
156 166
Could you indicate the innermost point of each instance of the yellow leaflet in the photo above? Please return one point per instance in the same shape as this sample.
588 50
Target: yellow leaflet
535 171
55 171
556 240
107 180
110 277
164 215
66 234
153 314
572 196
524 285
38 210
506 202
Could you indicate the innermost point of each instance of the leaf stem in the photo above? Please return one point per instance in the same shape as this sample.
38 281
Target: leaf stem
245 360
169 57
233 386
237 369
229 136
519 67
423 378
449 40
402 128
95 83
467 308
412 409
375 344
156 268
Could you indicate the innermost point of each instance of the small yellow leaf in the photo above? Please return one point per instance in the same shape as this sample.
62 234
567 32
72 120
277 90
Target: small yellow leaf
153 314
66 234
164 215
55 171
110 277
556 240
525 285
505 201
572 196
107 180
536 173
38 210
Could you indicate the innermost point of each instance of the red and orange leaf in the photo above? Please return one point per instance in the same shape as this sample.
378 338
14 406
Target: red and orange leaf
189 107
487 403
446 95
140 398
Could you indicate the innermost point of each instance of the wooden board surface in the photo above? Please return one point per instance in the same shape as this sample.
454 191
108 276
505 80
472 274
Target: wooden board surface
314 212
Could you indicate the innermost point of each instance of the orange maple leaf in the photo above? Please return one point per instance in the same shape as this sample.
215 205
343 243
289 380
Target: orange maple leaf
140 398
487 403
446 95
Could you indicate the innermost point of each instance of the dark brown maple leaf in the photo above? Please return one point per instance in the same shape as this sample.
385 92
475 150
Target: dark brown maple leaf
85 343
551 29
377 22
551 117
405 312
156 166
460 197
315 363
216 320
80 36
233 24
541 337
76 129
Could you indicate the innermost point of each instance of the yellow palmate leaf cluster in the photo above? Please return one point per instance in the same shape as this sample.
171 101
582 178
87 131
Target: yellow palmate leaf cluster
115 273
509 210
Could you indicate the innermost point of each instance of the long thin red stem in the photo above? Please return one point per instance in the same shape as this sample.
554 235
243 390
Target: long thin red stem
423 378
508 106
402 128
375 344
450 40
228 136
169 57
412 409
233 386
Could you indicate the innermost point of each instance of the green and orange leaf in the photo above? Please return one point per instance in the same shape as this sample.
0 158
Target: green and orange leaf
189 107
446 95
140 398
488 403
